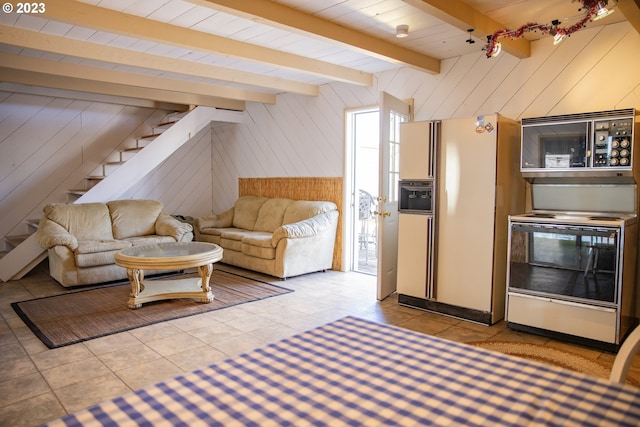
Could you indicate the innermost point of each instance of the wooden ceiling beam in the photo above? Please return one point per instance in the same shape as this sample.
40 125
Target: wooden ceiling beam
99 18
290 18
130 80
631 10
86 50
49 81
464 17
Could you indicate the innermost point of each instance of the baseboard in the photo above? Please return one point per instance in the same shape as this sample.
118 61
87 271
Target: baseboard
587 342
470 314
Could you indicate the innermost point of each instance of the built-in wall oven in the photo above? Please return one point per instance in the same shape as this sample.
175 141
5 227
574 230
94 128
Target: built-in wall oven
574 275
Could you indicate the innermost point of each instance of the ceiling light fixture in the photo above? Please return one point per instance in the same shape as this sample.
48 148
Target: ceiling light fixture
602 11
591 10
402 31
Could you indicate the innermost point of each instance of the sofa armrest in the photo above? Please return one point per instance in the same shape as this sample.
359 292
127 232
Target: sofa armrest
52 234
306 228
166 225
221 220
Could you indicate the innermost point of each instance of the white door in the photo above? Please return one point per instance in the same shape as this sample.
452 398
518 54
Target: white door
393 111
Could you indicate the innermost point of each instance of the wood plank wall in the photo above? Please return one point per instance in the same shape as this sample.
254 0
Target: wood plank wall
300 188
48 144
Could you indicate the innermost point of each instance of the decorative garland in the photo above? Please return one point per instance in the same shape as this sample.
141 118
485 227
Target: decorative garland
492 47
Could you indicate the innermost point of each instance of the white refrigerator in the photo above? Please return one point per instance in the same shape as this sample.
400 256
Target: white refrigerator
477 185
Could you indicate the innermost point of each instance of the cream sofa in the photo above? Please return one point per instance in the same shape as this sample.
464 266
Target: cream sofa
82 239
279 237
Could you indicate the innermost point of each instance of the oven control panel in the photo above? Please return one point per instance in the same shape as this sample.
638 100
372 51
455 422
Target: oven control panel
612 143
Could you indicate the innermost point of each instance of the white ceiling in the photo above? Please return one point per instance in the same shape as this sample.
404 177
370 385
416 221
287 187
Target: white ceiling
228 52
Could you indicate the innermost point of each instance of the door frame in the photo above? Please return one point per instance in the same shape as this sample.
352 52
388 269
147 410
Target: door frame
350 196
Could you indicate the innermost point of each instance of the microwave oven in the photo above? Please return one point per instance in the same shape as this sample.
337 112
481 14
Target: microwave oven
587 144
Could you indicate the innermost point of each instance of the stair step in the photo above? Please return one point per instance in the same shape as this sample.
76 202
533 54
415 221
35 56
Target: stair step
161 127
17 239
129 153
77 192
33 223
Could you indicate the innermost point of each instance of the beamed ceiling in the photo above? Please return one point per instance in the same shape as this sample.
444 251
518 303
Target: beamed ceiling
225 53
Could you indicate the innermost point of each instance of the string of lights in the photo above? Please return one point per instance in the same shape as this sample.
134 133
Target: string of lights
591 10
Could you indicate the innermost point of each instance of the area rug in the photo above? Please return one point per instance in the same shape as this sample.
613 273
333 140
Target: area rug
551 356
87 314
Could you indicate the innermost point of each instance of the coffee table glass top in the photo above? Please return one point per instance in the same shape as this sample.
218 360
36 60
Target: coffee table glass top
166 250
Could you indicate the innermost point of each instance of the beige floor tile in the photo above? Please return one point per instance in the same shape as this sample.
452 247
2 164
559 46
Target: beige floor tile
14 368
111 343
61 356
273 333
197 358
174 344
238 344
148 373
194 322
24 387
94 390
216 333
125 357
10 351
155 332
75 372
462 334
33 411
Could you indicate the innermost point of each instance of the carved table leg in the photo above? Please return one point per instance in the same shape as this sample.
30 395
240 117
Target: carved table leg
135 277
205 272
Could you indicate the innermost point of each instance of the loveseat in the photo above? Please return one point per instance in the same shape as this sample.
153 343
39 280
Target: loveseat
275 236
81 239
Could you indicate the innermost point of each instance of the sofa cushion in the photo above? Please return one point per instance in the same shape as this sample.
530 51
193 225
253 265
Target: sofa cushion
85 221
132 218
95 259
302 209
271 214
245 211
93 246
258 252
149 240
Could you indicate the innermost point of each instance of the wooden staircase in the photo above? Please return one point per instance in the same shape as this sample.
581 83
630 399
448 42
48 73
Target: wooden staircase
126 154
22 252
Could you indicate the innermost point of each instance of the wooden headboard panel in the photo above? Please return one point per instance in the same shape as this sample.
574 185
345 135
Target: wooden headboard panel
301 188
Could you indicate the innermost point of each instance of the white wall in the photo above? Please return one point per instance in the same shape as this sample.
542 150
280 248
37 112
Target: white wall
48 144
595 69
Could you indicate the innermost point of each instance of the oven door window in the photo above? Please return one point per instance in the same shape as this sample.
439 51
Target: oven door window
574 263
555 146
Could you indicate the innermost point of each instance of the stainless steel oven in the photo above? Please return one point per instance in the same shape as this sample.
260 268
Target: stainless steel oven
573 274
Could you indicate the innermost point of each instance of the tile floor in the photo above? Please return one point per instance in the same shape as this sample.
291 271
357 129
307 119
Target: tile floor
38 385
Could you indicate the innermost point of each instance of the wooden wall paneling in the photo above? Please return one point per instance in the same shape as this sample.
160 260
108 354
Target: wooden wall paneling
478 85
172 182
514 92
496 90
573 62
591 87
38 129
468 74
528 98
301 188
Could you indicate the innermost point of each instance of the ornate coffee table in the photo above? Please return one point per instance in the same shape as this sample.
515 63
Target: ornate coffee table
169 256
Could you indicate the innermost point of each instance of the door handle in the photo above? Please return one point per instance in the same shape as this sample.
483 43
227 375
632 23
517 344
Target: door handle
383 213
